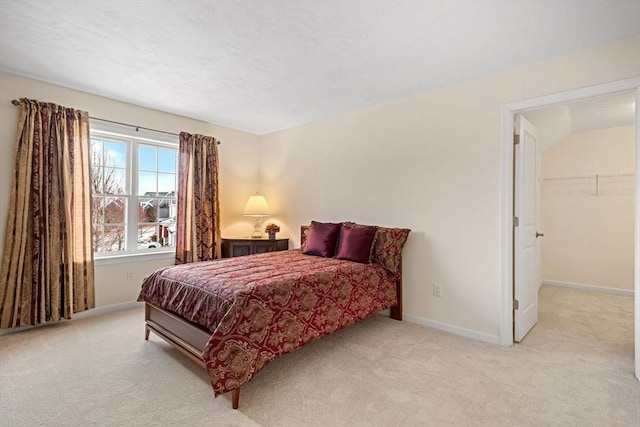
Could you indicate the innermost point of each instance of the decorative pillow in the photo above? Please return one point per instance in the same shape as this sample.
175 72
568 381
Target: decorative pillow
387 250
304 235
387 246
322 239
356 243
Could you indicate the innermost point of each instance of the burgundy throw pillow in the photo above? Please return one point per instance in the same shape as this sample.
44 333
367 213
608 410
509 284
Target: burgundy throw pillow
355 244
322 239
387 246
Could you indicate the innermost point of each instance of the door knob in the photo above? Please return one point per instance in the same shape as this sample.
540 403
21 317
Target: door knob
539 234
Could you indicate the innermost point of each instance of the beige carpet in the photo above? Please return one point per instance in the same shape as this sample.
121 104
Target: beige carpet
574 369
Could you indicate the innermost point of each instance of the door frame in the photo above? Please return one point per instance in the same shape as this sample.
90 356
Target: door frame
508 112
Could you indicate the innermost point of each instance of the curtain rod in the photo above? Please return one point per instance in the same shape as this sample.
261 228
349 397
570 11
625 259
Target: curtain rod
16 103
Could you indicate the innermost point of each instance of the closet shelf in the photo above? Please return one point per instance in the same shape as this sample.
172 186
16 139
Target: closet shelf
596 176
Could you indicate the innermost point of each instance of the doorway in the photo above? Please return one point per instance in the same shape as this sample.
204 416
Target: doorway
507 274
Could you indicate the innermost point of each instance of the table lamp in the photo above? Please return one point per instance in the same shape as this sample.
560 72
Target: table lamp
257 208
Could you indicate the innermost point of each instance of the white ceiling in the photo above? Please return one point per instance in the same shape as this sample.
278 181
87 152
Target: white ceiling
556 122
262 66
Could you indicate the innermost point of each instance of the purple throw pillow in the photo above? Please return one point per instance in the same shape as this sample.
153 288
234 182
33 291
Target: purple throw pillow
355 244
322 239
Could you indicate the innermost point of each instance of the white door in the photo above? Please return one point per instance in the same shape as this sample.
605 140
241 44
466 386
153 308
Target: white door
526 266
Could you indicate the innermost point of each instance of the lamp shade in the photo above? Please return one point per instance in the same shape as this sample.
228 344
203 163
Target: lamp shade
256 206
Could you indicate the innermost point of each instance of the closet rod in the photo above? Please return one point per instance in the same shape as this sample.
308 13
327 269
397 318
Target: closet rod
137 128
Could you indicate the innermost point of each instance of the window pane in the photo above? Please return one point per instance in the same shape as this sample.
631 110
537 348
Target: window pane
148 236
115 154
97 174
167 161
114 238
115 210
166 183
167 208
108 238
97 238
147 183
113 181
147 158
96 148
97 210
147 210
96 165
156 235
167 233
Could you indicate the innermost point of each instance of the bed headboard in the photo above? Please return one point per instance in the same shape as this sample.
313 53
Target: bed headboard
304 233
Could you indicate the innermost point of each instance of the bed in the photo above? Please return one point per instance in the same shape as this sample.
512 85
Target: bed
233 316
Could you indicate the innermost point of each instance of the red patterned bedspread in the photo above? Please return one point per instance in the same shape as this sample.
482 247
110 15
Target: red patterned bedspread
262 306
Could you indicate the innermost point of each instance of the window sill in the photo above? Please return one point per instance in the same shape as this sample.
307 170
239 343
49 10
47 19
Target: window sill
132 257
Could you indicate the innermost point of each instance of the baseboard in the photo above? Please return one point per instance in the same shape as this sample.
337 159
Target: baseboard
457 330
82 315
107 309
585 287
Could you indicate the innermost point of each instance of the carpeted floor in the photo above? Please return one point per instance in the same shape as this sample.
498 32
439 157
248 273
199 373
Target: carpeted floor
574 369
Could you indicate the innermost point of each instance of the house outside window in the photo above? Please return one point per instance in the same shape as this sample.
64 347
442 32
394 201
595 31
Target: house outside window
134 183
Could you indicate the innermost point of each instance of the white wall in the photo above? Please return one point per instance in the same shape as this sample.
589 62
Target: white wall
429 162
588 237
238 167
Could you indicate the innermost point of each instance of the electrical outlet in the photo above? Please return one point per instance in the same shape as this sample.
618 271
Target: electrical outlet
437 290
129 275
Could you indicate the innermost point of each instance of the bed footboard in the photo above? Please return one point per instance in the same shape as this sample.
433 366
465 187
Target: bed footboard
188 338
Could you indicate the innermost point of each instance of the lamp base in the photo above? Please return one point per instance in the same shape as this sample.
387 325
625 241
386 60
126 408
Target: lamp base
257 225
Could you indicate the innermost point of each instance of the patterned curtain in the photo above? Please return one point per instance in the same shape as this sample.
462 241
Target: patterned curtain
47 262
197 228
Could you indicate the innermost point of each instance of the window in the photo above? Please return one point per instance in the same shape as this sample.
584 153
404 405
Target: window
134 183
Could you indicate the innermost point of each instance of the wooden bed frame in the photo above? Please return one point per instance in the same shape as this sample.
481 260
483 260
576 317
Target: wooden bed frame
190 339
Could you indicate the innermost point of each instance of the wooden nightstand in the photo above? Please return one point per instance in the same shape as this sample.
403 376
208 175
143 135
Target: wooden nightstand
239 247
